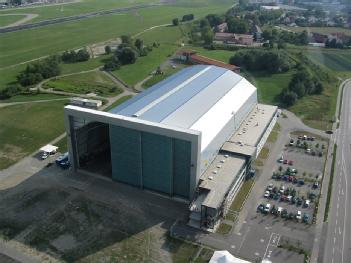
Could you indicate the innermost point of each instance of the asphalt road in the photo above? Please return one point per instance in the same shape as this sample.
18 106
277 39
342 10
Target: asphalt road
76 17
337 248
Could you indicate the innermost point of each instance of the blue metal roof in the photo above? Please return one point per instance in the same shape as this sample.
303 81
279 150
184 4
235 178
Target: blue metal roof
183 98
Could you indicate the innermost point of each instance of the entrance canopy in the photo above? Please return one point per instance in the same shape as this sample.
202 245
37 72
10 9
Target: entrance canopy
225 257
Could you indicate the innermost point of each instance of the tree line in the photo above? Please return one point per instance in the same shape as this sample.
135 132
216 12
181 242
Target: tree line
273 61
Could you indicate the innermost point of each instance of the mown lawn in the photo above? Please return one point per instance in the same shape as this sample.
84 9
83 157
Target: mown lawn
241 195
25 128
7 20
90 82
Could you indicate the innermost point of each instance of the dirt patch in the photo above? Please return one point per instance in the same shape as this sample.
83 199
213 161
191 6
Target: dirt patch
12 152
27 18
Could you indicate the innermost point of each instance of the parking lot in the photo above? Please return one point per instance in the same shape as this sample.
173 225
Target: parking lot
292 174
293 189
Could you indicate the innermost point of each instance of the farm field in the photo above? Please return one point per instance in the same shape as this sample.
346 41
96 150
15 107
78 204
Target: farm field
320 30
32 125
90 82
338 61
6 20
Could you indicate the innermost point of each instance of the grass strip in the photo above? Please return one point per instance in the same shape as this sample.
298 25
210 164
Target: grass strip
330 187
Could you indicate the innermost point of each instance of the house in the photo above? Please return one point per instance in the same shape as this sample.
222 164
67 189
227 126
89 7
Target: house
224 37
231 38
318 38
191 56
244 39
222 28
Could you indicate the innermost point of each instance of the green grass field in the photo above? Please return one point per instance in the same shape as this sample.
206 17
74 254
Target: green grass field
269 85
6 20
27 127
168 38
90 82
33 97
25 45
85 6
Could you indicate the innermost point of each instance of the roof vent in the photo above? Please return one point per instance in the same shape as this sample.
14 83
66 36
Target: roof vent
210 178
215 172
226 155
219 166
223 161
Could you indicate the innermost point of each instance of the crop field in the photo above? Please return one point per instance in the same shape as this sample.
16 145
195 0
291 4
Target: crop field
27 127
333 59
320 30
90 82
6 20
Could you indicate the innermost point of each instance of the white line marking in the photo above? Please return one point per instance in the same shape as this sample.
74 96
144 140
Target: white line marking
334 240
339 231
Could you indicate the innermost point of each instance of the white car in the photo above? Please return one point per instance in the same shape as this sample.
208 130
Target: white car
280 209
282 189
267 193
281 159
298 215
44 156
306 203
267 208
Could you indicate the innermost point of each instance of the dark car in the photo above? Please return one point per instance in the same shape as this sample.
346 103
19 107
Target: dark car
260 208
329 132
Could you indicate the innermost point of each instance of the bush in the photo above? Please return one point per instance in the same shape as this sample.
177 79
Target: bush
175 21
188 17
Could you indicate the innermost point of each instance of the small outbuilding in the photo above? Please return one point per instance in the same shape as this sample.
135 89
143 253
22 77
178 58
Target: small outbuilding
50 149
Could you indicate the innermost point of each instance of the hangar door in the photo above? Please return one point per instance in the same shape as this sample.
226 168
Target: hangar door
150 161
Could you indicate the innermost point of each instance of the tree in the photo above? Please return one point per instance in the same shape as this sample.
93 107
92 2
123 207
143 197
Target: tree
139 44
207 35
108 50
281 45
126 40
298 88
214 19
289 98
236 25
127 56
82 55
175 21
188 17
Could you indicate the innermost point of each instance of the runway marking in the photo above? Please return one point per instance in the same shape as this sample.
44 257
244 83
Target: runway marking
334 240
273 242
232 246
339 231
257 254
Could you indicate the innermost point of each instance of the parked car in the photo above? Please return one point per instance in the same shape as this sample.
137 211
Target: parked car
306 217
291 142
299 201
267 208
284 213
260 208
298 215
281 159
266 194
270 187
301 182
291 216
285 162
282 189
291 162
306 203
329 132
315 185
280 210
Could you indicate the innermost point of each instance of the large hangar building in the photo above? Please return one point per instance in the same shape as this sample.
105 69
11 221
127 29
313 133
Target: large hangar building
169 139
